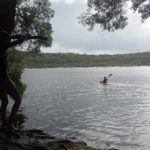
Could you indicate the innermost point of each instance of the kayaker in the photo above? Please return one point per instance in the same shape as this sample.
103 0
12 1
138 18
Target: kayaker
105 80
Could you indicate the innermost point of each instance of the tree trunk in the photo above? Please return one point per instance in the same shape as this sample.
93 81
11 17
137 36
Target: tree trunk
7 15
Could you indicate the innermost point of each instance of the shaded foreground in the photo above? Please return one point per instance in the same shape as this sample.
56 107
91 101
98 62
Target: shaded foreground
38 140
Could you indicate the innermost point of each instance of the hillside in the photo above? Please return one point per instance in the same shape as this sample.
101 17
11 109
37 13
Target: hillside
47 60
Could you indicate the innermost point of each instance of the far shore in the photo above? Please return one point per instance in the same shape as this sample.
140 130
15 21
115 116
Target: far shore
69 60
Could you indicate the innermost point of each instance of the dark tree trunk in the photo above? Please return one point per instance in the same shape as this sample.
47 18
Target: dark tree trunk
7 15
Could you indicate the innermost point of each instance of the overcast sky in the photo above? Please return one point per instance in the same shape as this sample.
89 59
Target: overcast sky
70 36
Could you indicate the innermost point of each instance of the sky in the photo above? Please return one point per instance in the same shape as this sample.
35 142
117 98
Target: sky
70 36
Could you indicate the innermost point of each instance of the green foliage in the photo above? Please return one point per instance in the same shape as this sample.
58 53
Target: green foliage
111 14
75 60
15 68
33 17
20 119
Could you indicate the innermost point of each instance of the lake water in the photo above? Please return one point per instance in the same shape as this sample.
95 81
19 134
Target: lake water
70 102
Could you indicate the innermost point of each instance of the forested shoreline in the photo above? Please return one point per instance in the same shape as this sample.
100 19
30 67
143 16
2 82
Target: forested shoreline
54 60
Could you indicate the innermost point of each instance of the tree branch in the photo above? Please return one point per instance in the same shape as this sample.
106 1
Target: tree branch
29 37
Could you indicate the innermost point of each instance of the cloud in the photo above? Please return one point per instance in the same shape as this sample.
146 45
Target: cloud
64 1
70 36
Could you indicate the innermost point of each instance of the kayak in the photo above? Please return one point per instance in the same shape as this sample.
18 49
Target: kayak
101 82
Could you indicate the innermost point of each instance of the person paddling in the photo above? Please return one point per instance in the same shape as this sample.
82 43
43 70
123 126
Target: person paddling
105 80
7 86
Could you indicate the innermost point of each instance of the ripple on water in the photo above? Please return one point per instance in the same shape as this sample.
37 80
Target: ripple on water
71 102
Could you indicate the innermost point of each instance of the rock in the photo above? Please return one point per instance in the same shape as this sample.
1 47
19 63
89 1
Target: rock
79 142
35 131
44 137
39 147
35 139
63 147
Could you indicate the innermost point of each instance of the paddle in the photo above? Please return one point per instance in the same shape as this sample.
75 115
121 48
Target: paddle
109 75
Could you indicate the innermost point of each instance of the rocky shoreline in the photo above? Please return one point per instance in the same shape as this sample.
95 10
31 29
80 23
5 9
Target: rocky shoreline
35 139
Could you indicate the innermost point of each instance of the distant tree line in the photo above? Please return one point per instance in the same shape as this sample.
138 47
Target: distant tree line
42 60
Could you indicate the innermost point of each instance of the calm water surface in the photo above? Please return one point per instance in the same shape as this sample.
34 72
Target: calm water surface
70 102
